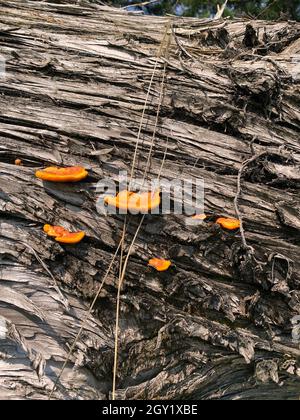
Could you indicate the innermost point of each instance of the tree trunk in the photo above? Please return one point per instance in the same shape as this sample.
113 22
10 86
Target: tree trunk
223 322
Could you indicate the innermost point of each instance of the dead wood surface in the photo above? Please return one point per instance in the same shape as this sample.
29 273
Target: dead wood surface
218 325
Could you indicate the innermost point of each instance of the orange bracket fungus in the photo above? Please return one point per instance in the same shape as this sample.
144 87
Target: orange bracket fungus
229 224
196 220
62 235
160 264
199 217
71 238
54 174
18 162
134 202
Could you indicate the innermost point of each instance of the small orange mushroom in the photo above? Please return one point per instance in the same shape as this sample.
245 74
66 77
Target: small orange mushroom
199 217
229 224
54 174
62 235
18 162
160 264
134 202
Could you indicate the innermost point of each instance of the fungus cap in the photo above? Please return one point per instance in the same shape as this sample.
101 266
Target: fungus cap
135 202
55 174
160 264
199 217
71 238
228 223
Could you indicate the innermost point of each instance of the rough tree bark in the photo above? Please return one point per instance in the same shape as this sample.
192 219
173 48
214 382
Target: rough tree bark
222 324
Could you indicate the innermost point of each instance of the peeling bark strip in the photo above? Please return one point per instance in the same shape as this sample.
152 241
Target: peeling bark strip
221 323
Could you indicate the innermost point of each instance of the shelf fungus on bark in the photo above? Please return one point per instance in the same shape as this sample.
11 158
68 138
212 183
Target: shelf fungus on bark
160 264
196 220
134 202
71 238
55 174
62 235
228 223
199 217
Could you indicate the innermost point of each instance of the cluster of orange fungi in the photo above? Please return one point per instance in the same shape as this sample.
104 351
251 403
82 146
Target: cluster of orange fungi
134 202
226 223
125 200
71 174
63 235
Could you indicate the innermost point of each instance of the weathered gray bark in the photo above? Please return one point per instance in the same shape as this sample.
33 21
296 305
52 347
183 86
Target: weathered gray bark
220 323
